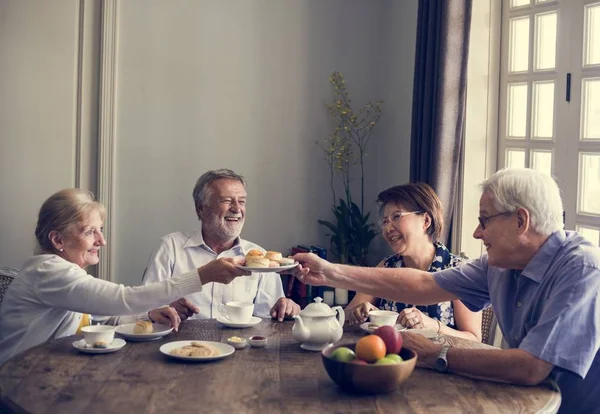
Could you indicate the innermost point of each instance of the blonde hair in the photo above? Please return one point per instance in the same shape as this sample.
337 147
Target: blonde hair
61 211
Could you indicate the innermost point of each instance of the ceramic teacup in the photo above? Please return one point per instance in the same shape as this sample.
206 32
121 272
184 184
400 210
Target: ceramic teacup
98 333
238 312
383 317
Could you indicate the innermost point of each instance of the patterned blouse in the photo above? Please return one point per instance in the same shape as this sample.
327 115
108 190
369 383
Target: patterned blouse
444 312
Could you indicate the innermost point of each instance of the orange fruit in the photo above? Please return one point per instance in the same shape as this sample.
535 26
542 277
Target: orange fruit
370 348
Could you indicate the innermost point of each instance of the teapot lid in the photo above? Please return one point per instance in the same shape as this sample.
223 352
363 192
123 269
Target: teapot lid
317 308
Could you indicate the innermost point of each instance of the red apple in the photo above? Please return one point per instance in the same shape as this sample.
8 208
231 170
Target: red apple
359 362
391 337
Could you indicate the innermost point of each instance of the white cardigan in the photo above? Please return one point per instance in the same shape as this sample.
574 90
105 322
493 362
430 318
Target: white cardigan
49 294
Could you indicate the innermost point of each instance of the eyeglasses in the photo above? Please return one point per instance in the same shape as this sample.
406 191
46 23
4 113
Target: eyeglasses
395 218
483 221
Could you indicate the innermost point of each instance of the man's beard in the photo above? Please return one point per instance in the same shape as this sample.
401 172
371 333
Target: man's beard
219 228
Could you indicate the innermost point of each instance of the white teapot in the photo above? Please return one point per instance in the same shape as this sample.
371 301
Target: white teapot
317 325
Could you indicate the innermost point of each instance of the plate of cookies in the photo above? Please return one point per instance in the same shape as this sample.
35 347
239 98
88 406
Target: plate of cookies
143 331
197 350
270 261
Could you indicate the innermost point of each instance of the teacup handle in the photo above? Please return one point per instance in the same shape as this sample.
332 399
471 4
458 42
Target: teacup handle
223 311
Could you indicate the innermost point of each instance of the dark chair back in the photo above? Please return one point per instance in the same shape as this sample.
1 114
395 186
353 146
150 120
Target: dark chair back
7 275
487 317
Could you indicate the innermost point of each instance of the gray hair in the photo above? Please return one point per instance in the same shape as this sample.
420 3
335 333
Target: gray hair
536 192
201 191
60 212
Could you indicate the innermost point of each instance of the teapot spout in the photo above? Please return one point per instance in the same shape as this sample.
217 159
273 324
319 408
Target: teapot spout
299 331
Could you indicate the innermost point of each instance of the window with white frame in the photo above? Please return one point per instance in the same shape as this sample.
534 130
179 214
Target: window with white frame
548 106
549 110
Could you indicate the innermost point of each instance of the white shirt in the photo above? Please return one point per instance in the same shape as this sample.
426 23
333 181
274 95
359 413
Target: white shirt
49 294
179 252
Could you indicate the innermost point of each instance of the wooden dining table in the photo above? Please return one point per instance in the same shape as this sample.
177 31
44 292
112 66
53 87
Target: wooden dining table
56 378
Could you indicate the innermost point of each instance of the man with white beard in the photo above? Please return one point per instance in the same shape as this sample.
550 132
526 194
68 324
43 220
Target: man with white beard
220 201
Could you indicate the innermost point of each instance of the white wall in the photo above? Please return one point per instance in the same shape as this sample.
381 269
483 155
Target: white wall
202 85
38 85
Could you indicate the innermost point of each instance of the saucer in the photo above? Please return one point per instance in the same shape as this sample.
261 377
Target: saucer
159 330
114 346
365 327
225 350
253 321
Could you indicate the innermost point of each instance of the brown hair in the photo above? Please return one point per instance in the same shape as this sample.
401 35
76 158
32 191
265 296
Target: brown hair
416 197
61 211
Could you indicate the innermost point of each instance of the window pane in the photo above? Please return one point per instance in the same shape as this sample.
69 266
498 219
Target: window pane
545 41
592 35
542 161
518 3
519 44
589 183
543 110
517 110
590 109
589 233
515 158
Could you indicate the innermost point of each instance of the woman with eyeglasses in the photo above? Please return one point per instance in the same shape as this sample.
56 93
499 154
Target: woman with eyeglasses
411 223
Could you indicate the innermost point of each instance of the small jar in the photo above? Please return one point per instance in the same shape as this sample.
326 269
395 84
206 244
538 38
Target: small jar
237 342
257 341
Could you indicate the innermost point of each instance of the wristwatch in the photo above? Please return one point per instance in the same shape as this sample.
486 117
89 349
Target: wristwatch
441 363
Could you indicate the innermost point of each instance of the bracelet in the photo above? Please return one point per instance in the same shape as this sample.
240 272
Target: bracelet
439 332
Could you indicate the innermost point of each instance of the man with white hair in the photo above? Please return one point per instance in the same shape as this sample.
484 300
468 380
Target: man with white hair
542 282
220 201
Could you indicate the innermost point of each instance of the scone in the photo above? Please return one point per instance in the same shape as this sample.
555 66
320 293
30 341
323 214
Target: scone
254 253
285 261
256 258
257 261
143 327
275 256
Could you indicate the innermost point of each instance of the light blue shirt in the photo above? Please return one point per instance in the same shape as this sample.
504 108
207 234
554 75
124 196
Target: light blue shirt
551 309
188 251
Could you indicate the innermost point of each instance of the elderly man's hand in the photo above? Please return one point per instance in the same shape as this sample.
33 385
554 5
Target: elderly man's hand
184 308
222 270
312 270
284 308
166 316
425 349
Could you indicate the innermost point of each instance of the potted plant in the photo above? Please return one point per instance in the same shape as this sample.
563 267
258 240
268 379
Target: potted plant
351 232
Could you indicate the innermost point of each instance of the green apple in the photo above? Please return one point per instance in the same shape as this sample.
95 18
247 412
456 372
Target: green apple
385 361
394 357
343 354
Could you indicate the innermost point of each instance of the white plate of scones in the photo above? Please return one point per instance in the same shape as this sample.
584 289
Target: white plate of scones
270 261
143 331
197 350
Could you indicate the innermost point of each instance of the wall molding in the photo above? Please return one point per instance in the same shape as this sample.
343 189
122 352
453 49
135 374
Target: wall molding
106 127
77 133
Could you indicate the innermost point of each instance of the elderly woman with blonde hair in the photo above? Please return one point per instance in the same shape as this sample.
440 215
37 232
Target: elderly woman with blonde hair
52 292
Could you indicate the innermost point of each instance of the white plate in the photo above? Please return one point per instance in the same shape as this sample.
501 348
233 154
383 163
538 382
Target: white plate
160 330
114 346
253 321
365 327
225 349
267 269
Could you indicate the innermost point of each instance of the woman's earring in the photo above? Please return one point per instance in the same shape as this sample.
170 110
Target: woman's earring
60 250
